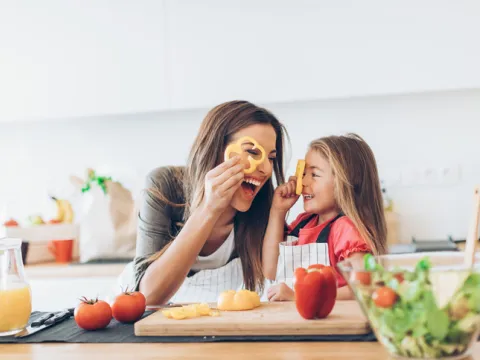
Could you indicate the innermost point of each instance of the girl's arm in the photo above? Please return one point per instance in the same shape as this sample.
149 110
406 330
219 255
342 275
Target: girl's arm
345 292
284 198
274 235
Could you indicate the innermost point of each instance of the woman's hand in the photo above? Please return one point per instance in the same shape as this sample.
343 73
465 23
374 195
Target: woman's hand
221 183
284 196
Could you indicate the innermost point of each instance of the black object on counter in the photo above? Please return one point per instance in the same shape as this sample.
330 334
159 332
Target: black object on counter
24 249
417 246
45 321
68 332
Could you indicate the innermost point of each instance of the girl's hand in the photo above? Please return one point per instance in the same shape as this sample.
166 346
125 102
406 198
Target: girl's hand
280 292
284 196
221 183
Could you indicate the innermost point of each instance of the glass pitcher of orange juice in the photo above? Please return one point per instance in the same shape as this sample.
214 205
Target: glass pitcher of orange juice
15 294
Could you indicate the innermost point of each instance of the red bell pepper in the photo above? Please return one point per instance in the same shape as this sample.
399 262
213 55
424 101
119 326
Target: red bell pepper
315 291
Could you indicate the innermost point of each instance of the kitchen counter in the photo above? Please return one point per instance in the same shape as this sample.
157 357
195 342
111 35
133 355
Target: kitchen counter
262 350
57 270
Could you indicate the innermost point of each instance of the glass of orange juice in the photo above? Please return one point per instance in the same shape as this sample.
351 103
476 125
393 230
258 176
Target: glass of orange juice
15 293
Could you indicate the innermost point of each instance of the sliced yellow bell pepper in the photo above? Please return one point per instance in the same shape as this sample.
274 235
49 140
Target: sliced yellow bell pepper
299 175
236 147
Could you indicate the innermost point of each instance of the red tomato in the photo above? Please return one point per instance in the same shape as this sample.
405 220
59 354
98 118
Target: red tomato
93 314
399 277
363 277
128 307
384 297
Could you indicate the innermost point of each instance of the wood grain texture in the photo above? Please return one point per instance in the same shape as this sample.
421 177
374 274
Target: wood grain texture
230 351
277 318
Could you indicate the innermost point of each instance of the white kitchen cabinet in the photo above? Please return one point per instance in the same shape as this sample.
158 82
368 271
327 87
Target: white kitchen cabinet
287 50
61 59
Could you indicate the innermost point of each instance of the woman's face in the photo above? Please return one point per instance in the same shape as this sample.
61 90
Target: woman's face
265 136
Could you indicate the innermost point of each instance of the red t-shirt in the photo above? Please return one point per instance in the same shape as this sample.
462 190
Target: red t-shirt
344 239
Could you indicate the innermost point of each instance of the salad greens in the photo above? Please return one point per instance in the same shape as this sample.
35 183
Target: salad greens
409 320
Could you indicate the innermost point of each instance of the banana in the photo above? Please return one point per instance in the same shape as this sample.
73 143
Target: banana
68 211
65 212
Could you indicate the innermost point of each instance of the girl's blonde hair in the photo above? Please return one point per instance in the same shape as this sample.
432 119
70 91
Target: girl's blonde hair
357 185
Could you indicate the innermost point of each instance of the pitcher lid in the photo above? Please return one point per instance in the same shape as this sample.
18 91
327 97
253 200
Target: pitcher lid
10 243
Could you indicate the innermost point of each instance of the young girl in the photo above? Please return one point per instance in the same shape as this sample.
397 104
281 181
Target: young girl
343 215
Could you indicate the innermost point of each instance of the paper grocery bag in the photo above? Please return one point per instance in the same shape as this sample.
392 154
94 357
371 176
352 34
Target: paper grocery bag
107 223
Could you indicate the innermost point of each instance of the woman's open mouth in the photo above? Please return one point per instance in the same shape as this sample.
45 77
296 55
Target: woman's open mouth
250 186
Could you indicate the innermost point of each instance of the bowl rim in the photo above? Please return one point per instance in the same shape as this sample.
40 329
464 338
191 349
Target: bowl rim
344 265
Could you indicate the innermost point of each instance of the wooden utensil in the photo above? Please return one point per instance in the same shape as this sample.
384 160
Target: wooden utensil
472 237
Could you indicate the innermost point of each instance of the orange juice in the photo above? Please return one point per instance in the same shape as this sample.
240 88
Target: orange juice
15 308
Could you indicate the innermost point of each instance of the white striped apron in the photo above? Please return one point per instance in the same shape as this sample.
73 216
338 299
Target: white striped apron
206 285
292 256
214 275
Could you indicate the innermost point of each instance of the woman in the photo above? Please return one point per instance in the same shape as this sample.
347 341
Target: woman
201 227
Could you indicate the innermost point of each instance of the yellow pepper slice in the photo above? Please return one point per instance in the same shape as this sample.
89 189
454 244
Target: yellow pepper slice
299 175
237 148
190 311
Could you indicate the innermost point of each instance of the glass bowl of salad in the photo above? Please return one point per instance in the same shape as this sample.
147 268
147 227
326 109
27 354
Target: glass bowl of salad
420 306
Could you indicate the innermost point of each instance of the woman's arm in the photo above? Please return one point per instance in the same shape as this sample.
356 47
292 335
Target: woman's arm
165 275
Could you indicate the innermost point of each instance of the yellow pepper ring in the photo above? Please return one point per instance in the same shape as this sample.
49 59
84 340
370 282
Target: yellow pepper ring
237 148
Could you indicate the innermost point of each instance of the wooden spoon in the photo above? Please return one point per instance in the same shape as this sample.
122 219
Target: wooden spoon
472 237
446 283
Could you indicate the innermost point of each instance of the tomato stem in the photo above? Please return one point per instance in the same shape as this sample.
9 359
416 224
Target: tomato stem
88 301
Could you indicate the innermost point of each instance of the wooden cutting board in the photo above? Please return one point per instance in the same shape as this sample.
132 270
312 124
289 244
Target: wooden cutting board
276 318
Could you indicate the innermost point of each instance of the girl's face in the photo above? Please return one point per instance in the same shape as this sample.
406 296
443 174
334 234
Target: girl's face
265 136
318 186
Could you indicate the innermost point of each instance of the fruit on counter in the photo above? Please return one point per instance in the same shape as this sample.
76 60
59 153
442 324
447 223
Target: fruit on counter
190 311
299 175
10 223
36 220
64 211
54 221
232 300
129 306
315 291
93 314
